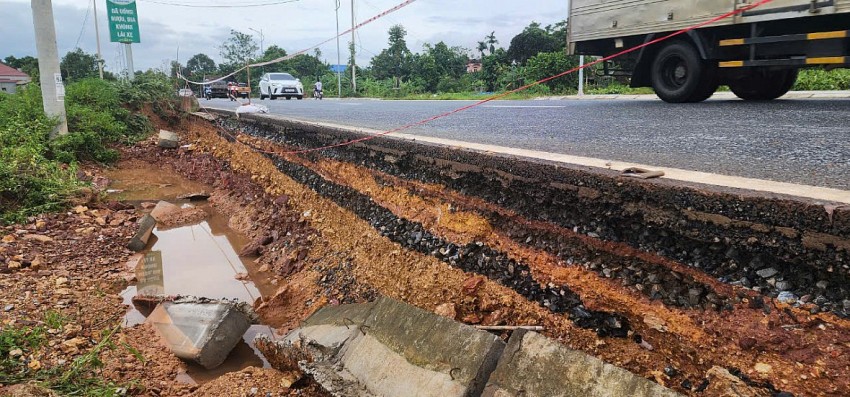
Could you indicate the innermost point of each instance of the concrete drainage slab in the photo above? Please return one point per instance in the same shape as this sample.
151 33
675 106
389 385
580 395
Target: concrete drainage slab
389 348
535 366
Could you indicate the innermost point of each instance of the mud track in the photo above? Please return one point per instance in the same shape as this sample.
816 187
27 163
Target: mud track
688 273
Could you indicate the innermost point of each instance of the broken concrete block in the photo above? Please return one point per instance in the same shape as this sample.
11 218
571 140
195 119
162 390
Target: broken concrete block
163 208
390 348
168 140
533 365
194 196
201 332
140 239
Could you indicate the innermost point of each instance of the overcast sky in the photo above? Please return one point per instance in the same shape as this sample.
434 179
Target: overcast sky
293 26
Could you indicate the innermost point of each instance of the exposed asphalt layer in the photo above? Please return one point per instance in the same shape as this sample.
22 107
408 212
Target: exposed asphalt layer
797 141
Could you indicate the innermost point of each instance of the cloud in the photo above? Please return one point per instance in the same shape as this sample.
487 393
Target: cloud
292 26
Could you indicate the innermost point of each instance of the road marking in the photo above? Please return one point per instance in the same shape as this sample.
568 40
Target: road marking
523 106
705 178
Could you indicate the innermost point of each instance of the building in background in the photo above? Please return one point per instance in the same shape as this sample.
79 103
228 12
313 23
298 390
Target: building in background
11 79
473 66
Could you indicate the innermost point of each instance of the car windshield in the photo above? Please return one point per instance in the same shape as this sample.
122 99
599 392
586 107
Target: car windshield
281 76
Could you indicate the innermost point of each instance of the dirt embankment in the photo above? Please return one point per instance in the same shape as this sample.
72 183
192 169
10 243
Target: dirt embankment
592 260
666 281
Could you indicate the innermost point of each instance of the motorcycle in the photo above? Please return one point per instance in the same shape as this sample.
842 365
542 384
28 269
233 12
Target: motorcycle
208 93
317 94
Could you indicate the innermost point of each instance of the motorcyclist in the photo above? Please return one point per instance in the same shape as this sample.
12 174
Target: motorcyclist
317 90
231 90
207 92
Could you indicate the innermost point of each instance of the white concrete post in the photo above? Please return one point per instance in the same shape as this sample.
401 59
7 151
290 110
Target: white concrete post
52 88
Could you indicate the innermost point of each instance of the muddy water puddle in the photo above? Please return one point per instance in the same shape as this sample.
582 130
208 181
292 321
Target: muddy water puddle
198 260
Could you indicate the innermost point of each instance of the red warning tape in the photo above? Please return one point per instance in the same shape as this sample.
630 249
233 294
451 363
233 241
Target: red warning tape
527 86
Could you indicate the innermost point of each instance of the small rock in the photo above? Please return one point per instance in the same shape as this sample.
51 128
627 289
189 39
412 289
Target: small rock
655 322
747 343
264 268
242 277
40 224
767 273
846 304
60 281
148 205
34 365
671 371
253 391
446 310
763 368
16 353
9 238
13 265
80 209
822 284
786 297
783 285
38 237
8 308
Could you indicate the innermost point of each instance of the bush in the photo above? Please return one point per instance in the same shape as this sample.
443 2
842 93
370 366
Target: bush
820 80
30 182
38 174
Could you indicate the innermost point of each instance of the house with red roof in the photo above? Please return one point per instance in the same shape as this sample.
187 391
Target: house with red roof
11 79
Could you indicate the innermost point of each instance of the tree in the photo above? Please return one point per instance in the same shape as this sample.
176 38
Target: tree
77 65
237 50
307 66
493 66
393 61
482 46
176 67
200 64
534 40
491 41
547 64
27 64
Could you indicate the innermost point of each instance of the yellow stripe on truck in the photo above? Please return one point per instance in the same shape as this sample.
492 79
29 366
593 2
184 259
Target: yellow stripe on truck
826 60
827 35
731 42
731 64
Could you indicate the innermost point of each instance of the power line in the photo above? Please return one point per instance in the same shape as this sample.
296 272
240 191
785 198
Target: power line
83 28
200 5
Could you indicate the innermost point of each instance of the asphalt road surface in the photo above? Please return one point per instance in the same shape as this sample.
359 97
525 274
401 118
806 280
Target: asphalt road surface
802 141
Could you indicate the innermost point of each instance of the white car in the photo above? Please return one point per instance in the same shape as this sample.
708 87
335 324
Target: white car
273 85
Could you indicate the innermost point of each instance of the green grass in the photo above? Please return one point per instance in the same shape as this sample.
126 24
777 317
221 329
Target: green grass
81 377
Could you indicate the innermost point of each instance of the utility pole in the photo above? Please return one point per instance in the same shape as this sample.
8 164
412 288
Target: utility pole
97 37
338 59
128 51
353 52
581 75
262 50
52 89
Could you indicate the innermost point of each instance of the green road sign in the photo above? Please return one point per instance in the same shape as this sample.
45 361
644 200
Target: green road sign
123 21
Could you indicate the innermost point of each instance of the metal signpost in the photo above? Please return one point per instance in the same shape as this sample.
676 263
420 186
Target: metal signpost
124 27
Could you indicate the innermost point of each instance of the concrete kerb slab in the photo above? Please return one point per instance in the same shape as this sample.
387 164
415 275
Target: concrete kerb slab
390 348
536 366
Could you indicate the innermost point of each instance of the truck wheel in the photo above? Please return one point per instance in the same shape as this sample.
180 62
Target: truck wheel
300 97
762 85
679 75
